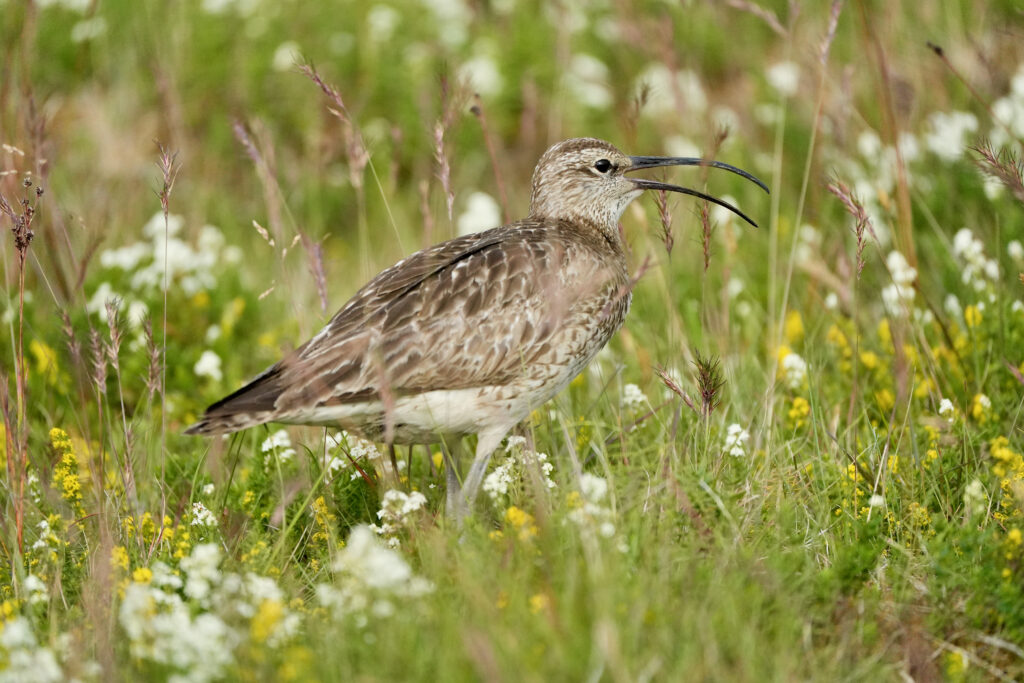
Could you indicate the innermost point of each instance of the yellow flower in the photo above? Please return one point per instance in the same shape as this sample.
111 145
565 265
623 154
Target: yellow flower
65 474
46 361
972 316
885 400
201 300
799 411
119 557
794 327
142 575
438 459
522 521
781 354
869 359
884 334
538 602
502 601
265 622
981 406
1014 536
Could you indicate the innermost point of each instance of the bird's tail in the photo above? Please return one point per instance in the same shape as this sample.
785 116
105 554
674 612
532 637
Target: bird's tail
251 405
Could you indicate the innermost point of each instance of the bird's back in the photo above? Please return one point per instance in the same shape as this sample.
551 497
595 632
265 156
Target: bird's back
509 314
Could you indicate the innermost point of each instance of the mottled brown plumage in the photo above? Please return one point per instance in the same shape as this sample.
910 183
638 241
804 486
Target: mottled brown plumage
468 336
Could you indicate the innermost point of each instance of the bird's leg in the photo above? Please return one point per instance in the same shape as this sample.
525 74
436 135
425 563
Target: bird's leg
451 477
486 443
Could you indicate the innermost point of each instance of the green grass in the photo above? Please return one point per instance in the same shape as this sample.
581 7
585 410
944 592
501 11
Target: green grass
857 533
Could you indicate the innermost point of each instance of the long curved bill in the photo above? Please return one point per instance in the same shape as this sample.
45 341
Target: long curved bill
638 163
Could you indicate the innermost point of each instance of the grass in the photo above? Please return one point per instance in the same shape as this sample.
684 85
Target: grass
850 508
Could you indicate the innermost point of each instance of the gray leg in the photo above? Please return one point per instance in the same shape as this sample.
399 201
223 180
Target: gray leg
486 443
451 477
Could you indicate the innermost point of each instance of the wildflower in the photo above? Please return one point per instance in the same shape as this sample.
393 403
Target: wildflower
65 474
975 498
202 570
208 489
972 316
586 80
286 56
876 501
794 327
899 296
482 74
948 132
208 365
1015 250
539 602
278 444
794 368
201 516
369 575
784 77
324 520
799 412
521 521
36 591
978 271
832 301
980 407
1014 537
947 410
23 658
396 508
736 438
633 398
481 213
119 557
587 507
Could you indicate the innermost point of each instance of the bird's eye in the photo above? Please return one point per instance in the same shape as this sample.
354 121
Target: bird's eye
603 165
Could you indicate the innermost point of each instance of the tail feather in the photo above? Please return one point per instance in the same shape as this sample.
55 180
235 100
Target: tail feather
251 405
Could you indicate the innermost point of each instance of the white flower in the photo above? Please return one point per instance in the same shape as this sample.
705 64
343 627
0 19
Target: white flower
202 570
784 77
278 439
483 76
593 488
975 498
947 409
500 478
735 287
208 365
382 20
364 559
481 213
1016 251
587 81
876 501
794 369
201 515
952 306
208 489
948 132
736 438
1017 306
36 590
633 398
87 29
832 301
24 659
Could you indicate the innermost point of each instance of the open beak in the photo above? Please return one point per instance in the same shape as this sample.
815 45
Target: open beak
638 163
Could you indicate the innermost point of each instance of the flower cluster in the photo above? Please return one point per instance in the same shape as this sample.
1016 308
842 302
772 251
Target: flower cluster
396 511
369 578
736 438
193 626
519 462
588 507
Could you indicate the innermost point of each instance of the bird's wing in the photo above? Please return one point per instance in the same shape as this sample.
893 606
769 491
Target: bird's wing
471 312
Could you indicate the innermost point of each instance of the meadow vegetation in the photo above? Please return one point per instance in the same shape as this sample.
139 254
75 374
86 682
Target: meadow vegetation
800 459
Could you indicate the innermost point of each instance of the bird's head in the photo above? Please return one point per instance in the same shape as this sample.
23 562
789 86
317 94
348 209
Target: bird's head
585 179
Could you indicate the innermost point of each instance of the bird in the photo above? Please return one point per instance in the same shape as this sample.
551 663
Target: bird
470 335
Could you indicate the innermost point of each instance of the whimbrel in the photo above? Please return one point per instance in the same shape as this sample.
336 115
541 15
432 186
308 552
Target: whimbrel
468 336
